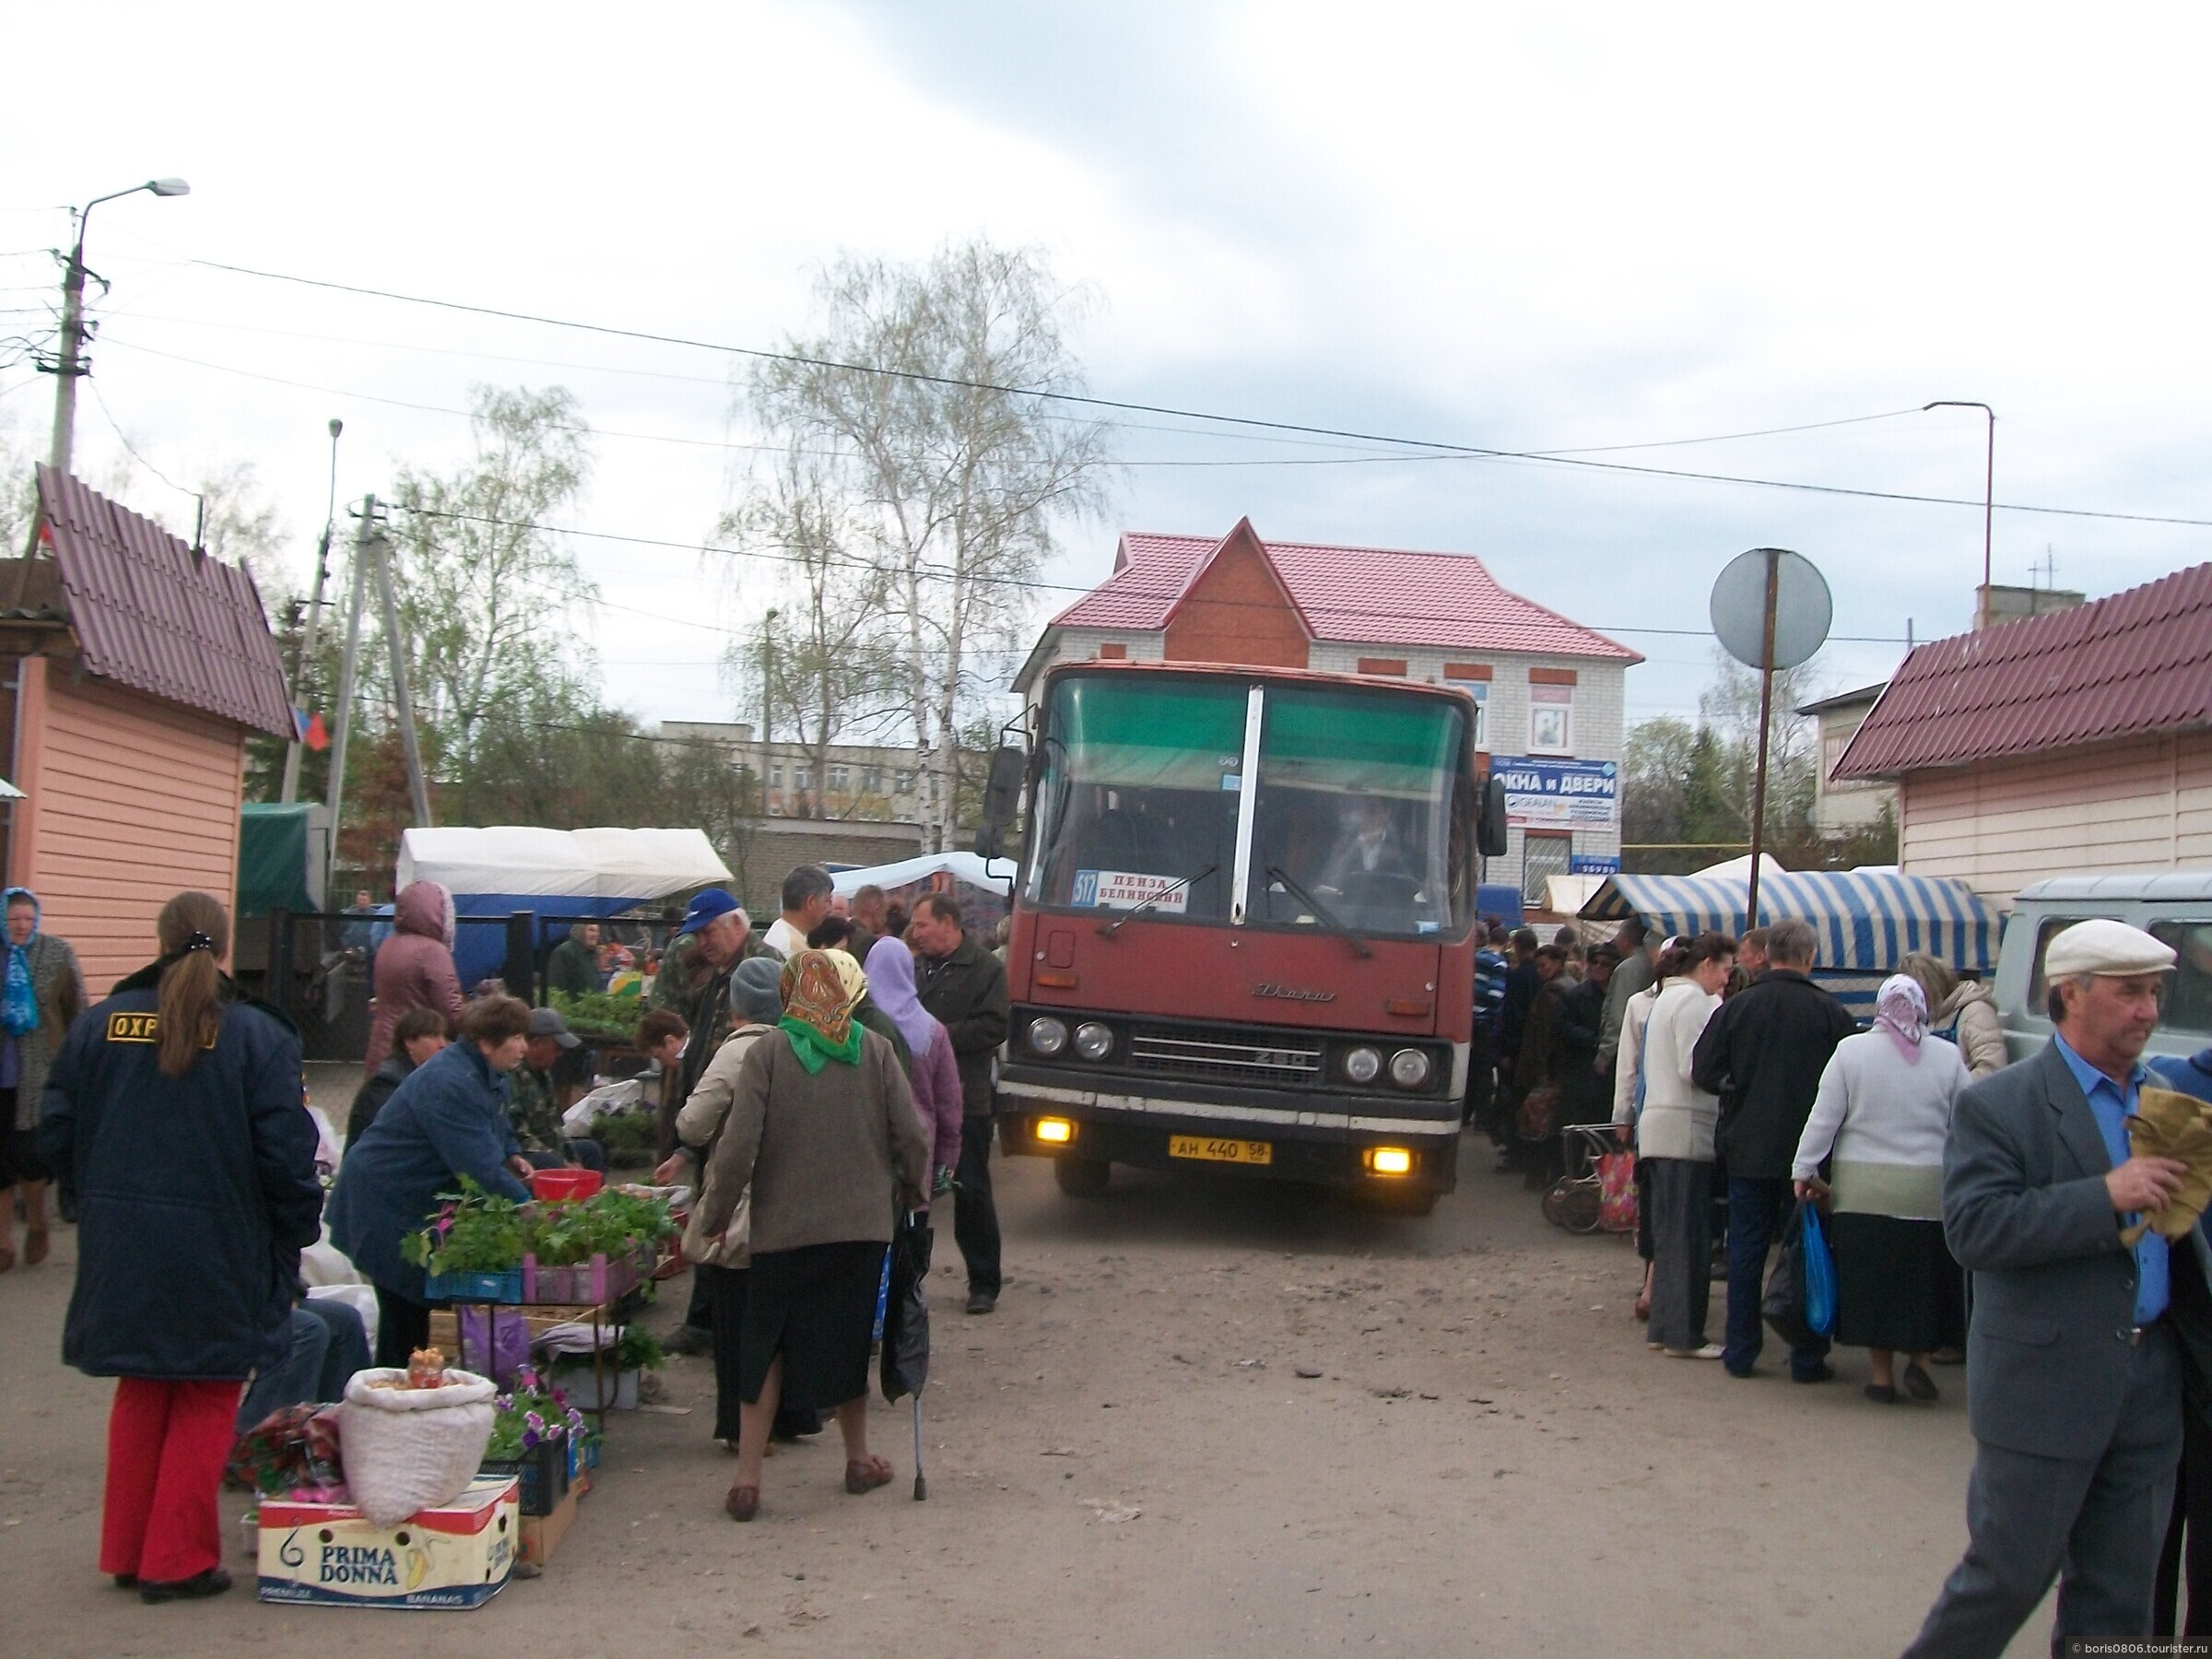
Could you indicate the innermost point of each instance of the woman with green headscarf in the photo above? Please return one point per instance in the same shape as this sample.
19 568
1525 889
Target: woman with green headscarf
823 1132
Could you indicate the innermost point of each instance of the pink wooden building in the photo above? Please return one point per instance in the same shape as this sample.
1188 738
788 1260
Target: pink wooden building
132 672
2078 741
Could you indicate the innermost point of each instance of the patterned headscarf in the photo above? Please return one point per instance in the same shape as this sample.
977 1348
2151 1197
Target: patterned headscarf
1902 1011
817 1008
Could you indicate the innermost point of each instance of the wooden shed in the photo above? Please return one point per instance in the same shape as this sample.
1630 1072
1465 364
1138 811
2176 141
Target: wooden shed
2072 742
131 671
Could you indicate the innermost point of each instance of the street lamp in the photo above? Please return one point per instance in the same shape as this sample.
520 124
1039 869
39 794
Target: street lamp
69 362
1989 475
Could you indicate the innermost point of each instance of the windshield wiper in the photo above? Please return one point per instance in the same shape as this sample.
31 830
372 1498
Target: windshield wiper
1336 924
1130 915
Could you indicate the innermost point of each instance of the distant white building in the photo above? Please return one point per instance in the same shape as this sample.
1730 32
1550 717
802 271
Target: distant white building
1549 692
1842 807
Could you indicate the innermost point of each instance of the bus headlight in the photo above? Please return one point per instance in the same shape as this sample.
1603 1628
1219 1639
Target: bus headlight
1093 1040
1409 1068
1390 1160
1058 1130
1363 1064
1047 1036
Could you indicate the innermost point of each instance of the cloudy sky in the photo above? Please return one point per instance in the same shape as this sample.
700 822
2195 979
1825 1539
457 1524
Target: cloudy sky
1517 227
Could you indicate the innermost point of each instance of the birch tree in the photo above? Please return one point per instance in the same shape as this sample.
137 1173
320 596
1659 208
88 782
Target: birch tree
958 478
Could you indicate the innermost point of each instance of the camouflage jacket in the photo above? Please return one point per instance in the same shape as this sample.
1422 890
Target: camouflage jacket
531 1110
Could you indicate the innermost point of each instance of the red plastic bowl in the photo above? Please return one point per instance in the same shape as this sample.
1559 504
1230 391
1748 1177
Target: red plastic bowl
556 1186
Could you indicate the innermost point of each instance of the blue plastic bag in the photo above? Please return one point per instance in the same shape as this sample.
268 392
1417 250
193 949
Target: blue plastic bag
1819 1276
18 996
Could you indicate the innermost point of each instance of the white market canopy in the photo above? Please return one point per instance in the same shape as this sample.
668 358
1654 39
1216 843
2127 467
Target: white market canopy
969 867
630 864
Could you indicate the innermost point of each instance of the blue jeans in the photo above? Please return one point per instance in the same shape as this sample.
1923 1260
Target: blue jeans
1757 1208
328 1344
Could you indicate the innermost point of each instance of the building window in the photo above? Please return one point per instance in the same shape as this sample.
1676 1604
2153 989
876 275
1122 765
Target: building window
871 779
775 776
1551 720
1474 678
841 779
1543 856
902 783
801 777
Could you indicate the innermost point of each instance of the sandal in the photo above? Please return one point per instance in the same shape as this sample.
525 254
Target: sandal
866 1477
1882 1394
35 1245
743 1503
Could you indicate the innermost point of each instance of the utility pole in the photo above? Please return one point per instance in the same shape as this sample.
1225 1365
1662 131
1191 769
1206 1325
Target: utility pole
68 365
315 624
347 665
419 789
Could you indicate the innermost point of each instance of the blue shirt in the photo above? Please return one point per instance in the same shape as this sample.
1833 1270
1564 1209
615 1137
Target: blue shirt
2112 1105
1489 984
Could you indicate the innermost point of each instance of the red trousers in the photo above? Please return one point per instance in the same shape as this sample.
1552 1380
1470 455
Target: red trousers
167 1446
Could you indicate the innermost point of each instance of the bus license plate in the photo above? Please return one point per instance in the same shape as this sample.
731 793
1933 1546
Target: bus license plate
1221 1151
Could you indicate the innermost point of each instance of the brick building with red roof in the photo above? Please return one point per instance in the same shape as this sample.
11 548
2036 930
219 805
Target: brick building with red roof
1549 689
2080 740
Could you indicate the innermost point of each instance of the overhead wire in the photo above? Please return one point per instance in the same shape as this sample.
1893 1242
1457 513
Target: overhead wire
1256 423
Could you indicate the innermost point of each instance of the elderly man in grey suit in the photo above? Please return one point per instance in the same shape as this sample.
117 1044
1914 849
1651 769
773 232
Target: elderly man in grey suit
2074 1374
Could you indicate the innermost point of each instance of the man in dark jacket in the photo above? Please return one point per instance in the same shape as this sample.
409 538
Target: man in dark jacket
964 986
573 968
718 928
1763 1054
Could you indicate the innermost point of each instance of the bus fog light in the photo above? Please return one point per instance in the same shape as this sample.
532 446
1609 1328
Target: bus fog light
1047 1036
1390 1160
1058 1130
1409 1068
1093 1040
1363 1064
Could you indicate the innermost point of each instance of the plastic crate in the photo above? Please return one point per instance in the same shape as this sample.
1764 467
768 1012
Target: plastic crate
474 1287
543 1472
595 1282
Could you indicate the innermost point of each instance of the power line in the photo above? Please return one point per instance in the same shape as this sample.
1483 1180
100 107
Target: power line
1437 446
1033 584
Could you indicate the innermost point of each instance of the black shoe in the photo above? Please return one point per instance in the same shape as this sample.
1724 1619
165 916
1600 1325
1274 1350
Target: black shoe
981 1301
1919 1385
126 1581
1882 1394
690 1339
1822 1372
213 1582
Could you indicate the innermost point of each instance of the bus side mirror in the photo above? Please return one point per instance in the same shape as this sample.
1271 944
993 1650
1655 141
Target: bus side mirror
1489 831
1002 798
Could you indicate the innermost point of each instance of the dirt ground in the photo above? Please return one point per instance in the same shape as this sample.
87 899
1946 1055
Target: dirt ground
1128 1458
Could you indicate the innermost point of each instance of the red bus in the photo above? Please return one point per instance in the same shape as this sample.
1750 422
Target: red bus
1243 926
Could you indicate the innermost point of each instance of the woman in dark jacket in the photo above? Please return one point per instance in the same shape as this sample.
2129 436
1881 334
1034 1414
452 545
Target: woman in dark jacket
420 1033
446 1120
178 1109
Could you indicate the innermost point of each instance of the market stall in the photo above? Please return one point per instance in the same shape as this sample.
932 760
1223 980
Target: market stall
979 884
493 873
1867 919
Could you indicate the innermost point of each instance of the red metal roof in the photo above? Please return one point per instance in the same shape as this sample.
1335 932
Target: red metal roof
1351 595
149 615
2137 662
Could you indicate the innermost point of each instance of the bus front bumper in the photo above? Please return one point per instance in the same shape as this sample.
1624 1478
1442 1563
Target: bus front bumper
1366 1141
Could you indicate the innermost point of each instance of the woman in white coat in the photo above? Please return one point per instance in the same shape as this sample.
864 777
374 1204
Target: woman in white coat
1675 1133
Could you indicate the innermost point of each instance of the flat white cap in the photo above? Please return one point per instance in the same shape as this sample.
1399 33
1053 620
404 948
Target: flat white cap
2104 946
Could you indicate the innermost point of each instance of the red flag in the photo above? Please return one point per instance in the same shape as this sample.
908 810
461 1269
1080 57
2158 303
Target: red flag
318 736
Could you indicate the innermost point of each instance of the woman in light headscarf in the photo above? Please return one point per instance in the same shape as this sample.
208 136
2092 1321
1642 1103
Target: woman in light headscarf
1883 1114
822 1130
935 1073
41 991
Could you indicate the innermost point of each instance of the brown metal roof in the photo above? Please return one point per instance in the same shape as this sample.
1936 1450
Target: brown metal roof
149 615
2138 663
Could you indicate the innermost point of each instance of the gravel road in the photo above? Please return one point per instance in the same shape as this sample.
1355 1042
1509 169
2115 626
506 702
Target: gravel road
1210 1417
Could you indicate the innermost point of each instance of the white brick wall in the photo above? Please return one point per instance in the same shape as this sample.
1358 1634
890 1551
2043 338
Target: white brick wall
1600 714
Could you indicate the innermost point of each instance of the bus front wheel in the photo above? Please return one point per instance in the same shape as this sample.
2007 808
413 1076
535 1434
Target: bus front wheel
1081 1177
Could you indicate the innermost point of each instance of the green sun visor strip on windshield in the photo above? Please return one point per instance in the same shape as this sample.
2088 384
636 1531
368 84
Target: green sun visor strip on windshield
1152 735
1355 743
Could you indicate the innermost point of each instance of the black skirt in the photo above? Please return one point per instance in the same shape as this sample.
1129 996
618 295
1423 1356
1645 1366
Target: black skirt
1897 1286
816 1306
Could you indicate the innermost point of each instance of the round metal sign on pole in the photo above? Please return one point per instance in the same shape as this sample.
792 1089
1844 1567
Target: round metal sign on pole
1802 609
1771 609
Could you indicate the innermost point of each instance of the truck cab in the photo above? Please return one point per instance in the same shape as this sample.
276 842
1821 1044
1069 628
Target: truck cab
2174 906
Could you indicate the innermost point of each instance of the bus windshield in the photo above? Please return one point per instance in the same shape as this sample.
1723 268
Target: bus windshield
1138 793
1362 801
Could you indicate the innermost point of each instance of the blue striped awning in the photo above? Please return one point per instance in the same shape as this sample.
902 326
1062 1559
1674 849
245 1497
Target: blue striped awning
1867 920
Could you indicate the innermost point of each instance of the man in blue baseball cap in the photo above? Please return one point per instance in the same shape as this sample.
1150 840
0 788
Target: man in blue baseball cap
708 906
